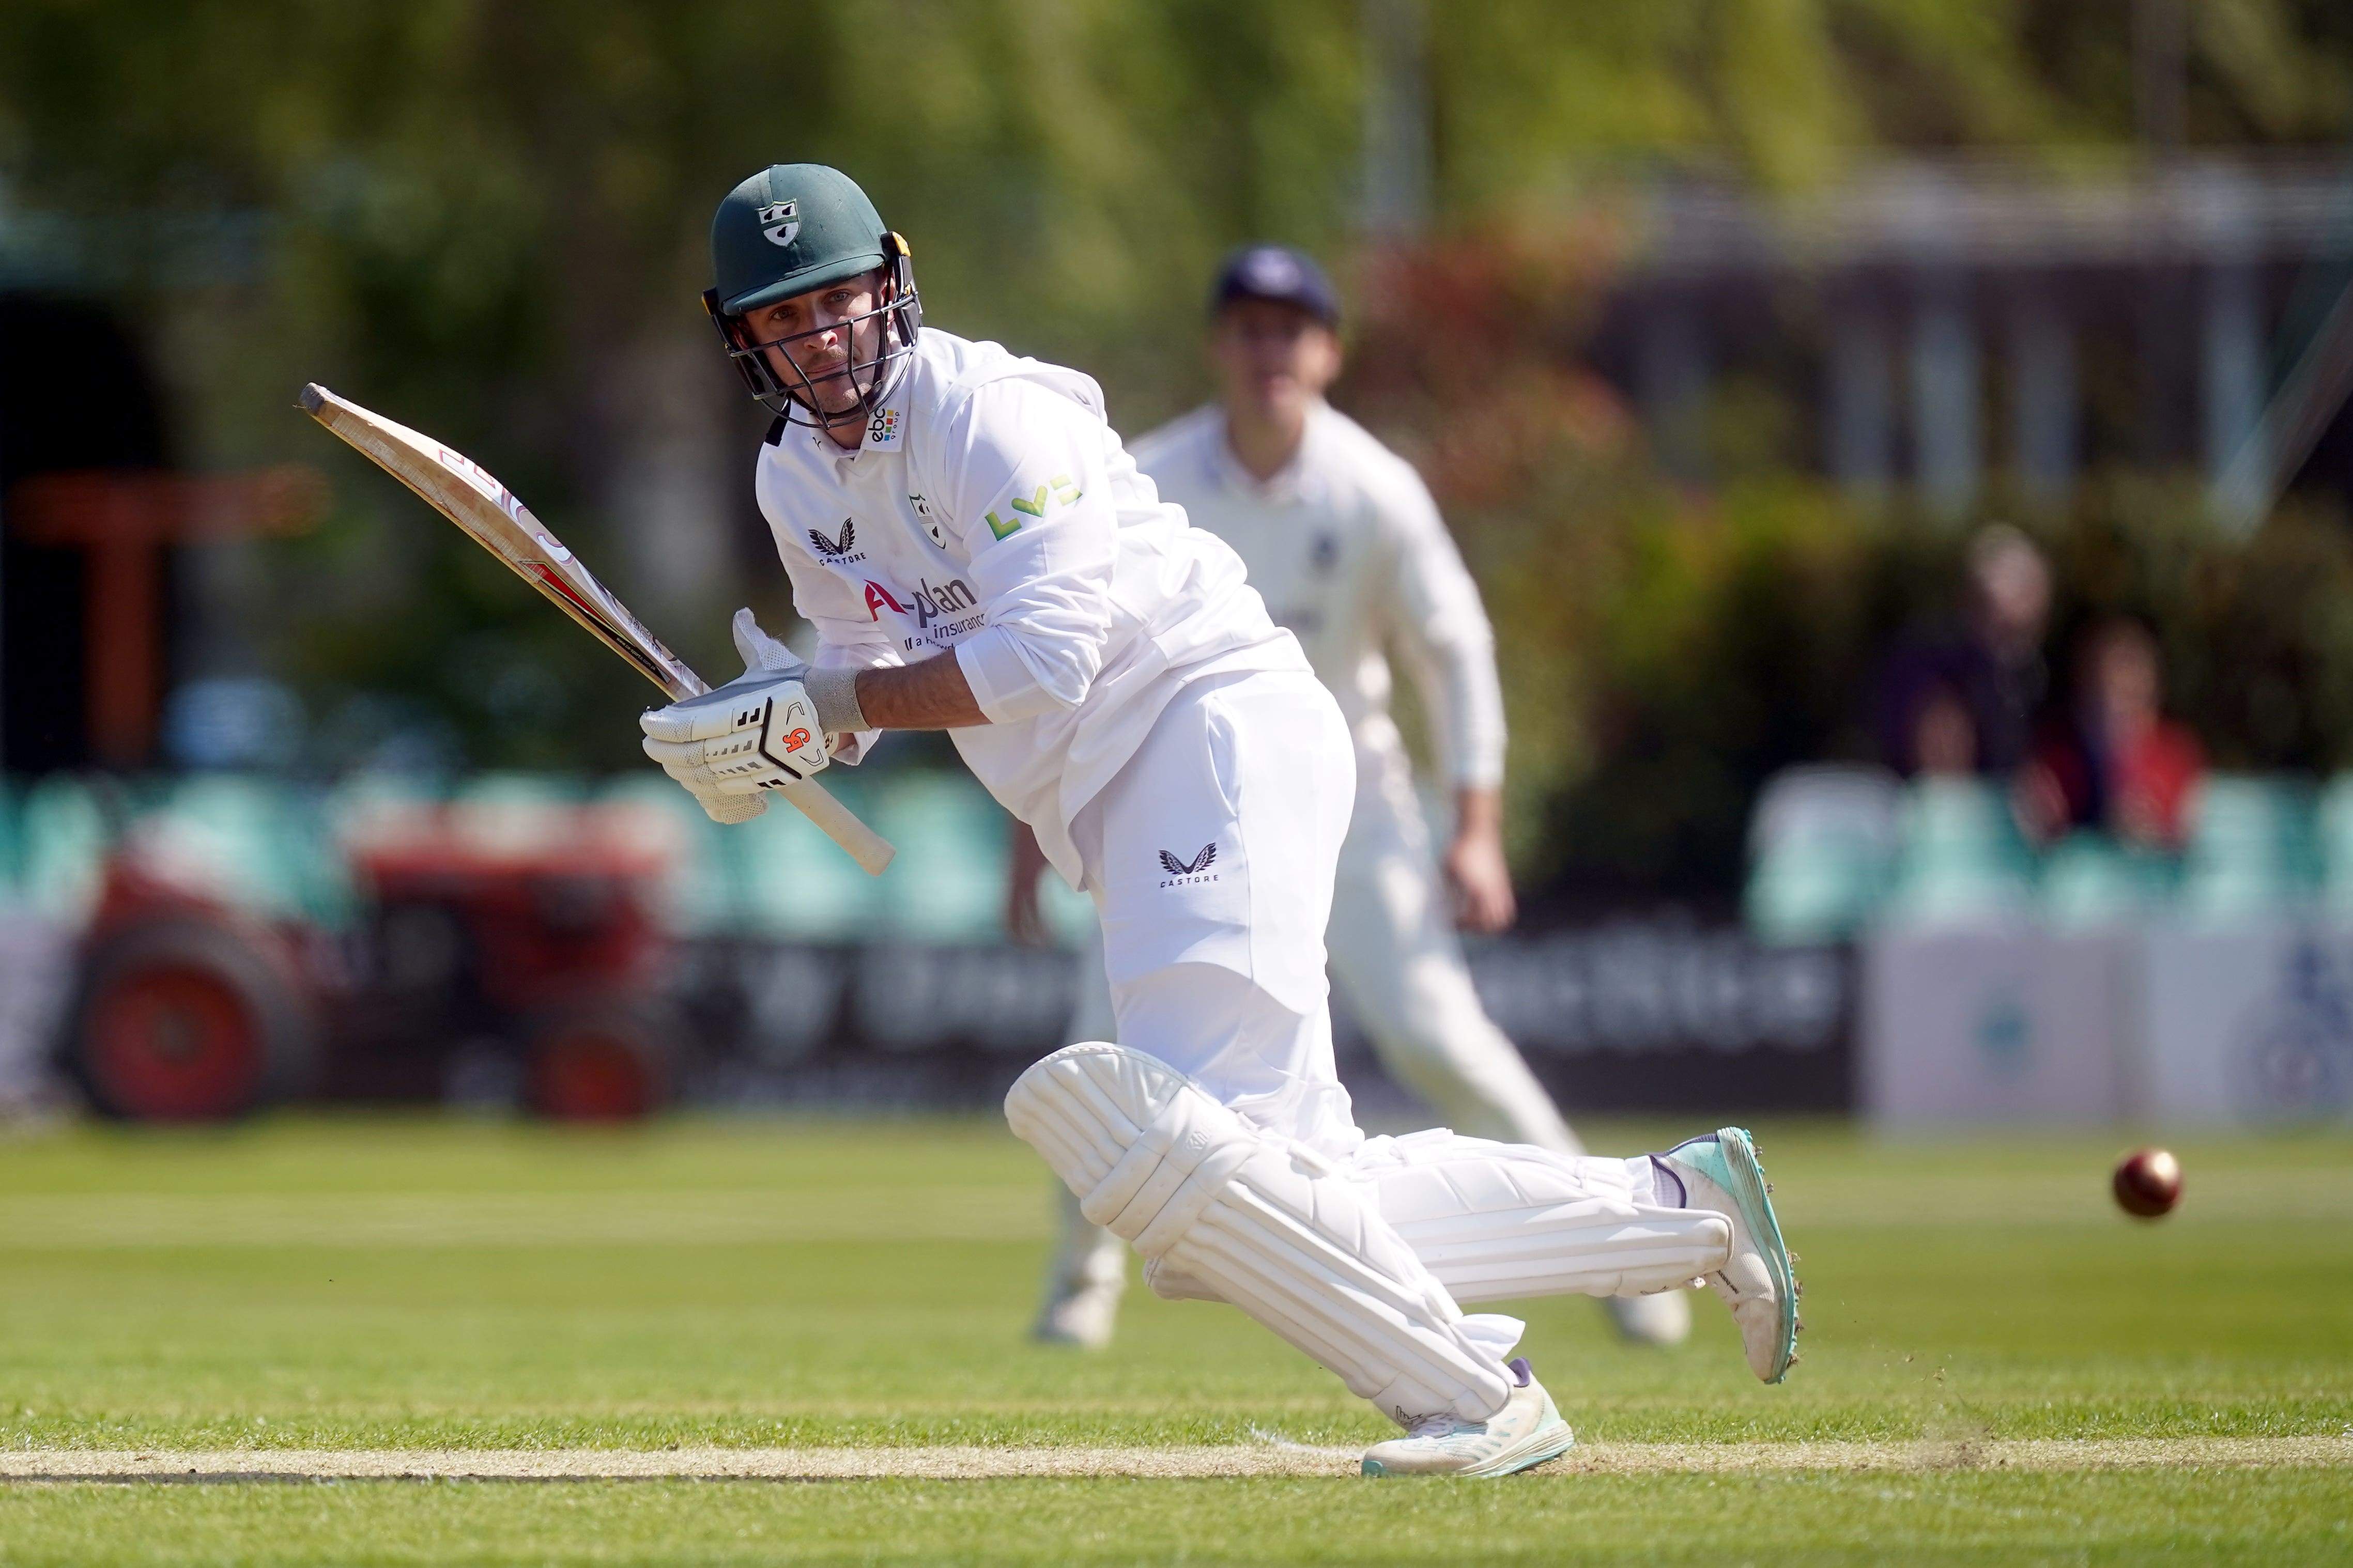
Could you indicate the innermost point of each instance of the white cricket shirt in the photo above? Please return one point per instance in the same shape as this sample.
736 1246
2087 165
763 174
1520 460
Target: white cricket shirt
1346 548
992 512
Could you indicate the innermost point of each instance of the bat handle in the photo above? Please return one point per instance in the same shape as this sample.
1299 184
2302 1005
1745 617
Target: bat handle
835 820
839 823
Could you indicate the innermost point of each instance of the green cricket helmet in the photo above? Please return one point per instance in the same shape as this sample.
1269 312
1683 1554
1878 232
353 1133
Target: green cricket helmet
791 229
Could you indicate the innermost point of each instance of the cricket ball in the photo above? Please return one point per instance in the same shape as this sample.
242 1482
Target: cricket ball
2149 1182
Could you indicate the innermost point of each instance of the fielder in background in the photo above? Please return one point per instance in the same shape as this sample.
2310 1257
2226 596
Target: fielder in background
1346 546
978 553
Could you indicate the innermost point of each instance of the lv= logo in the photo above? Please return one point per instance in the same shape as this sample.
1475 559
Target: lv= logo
1060 490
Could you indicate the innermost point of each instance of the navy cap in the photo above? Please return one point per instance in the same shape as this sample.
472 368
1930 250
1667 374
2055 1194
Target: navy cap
1279 273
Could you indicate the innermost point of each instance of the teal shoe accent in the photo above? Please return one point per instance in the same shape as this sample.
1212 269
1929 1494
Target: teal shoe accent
1437 1444
1729 1160
1541 1448
1544 1448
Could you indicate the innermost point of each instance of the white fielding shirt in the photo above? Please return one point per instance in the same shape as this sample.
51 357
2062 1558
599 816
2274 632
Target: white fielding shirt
1347 550
992 512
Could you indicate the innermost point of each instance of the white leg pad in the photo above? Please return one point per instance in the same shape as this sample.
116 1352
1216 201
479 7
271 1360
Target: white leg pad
1303 1250
1499 1221
1173 1284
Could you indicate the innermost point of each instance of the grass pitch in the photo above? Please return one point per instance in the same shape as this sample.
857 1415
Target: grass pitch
2017 1373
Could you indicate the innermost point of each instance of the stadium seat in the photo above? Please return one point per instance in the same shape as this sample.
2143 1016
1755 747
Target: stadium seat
64 837
11 806
700 895
948 882
791 882
1821 845
1069 914
2250 853
515 812
364 804
2090 882
257 844
2333 830
1962 861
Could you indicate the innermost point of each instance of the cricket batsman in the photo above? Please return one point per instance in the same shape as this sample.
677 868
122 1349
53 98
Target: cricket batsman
979 553
1346 547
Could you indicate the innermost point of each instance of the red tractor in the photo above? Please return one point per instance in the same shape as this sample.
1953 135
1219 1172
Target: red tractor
536 952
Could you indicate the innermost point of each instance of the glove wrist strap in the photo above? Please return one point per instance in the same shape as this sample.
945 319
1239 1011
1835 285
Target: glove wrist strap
833 692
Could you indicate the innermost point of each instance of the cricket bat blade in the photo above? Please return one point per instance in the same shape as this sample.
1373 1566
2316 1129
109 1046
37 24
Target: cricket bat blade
491 515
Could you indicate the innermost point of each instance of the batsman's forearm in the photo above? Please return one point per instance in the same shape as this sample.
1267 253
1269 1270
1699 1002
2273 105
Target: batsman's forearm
1478 812
933 695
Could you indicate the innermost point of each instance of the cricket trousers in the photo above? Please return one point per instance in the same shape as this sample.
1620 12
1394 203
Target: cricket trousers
1210 859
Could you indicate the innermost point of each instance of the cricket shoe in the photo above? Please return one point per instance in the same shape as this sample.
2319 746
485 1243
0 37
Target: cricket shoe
1525 1433
1661 1320
1720 1172
1084 1314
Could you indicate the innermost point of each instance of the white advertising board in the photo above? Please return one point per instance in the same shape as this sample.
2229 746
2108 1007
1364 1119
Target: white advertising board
35 973
1998 1025
2246 1028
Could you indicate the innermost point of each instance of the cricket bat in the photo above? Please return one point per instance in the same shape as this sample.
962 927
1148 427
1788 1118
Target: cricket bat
467 494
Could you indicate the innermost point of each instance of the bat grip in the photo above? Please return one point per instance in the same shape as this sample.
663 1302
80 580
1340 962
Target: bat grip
811 799
839 823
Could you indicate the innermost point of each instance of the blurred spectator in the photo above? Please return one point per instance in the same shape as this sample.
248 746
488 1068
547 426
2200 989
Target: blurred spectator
2112 760
1990 666
1944 739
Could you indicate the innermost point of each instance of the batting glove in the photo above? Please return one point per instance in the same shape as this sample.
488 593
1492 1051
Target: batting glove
757 731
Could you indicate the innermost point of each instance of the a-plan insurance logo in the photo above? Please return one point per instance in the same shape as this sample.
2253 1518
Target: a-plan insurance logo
779 222
934 600
1056 491
1185 873
931 606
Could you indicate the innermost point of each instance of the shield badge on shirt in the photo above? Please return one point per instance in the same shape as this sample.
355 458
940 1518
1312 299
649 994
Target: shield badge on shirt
931 528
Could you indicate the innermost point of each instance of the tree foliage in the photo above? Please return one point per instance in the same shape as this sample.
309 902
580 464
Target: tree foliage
488 216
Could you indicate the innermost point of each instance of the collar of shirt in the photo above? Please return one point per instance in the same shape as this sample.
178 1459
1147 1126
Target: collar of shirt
886 425
826 446
1283 484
